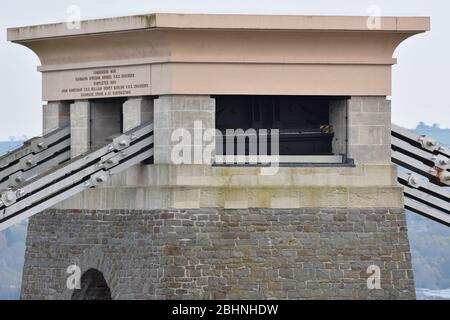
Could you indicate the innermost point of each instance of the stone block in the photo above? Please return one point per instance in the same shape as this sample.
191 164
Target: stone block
370 154
137 111
80 127
55 115
185 118
369 129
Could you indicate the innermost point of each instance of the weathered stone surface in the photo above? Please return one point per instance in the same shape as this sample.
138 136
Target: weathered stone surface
80 134
136 111
55 115
176 116
369 130
309 253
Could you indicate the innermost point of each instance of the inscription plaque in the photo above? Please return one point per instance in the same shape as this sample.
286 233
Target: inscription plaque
97 83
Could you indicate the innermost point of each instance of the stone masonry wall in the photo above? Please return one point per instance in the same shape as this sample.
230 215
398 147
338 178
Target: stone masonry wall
222 253
369 130
174 113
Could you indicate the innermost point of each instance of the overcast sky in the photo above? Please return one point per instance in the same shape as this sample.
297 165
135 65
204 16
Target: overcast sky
420 85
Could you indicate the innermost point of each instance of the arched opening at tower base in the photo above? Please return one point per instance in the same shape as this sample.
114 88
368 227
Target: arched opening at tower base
93 287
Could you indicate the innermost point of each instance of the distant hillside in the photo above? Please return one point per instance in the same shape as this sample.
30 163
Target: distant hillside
441 135
430 250
429 240
12 248
5 146
12 251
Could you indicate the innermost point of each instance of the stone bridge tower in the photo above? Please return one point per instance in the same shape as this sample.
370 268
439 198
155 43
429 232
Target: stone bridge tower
197 221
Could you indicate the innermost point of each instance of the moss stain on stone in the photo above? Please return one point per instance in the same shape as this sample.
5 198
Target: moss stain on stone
149 20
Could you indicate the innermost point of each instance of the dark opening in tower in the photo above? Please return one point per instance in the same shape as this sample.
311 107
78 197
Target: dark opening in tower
311 128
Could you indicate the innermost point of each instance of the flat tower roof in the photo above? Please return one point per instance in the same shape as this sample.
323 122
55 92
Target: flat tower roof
219 21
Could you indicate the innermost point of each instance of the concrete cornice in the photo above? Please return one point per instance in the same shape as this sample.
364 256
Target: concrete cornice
226 54
219 21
